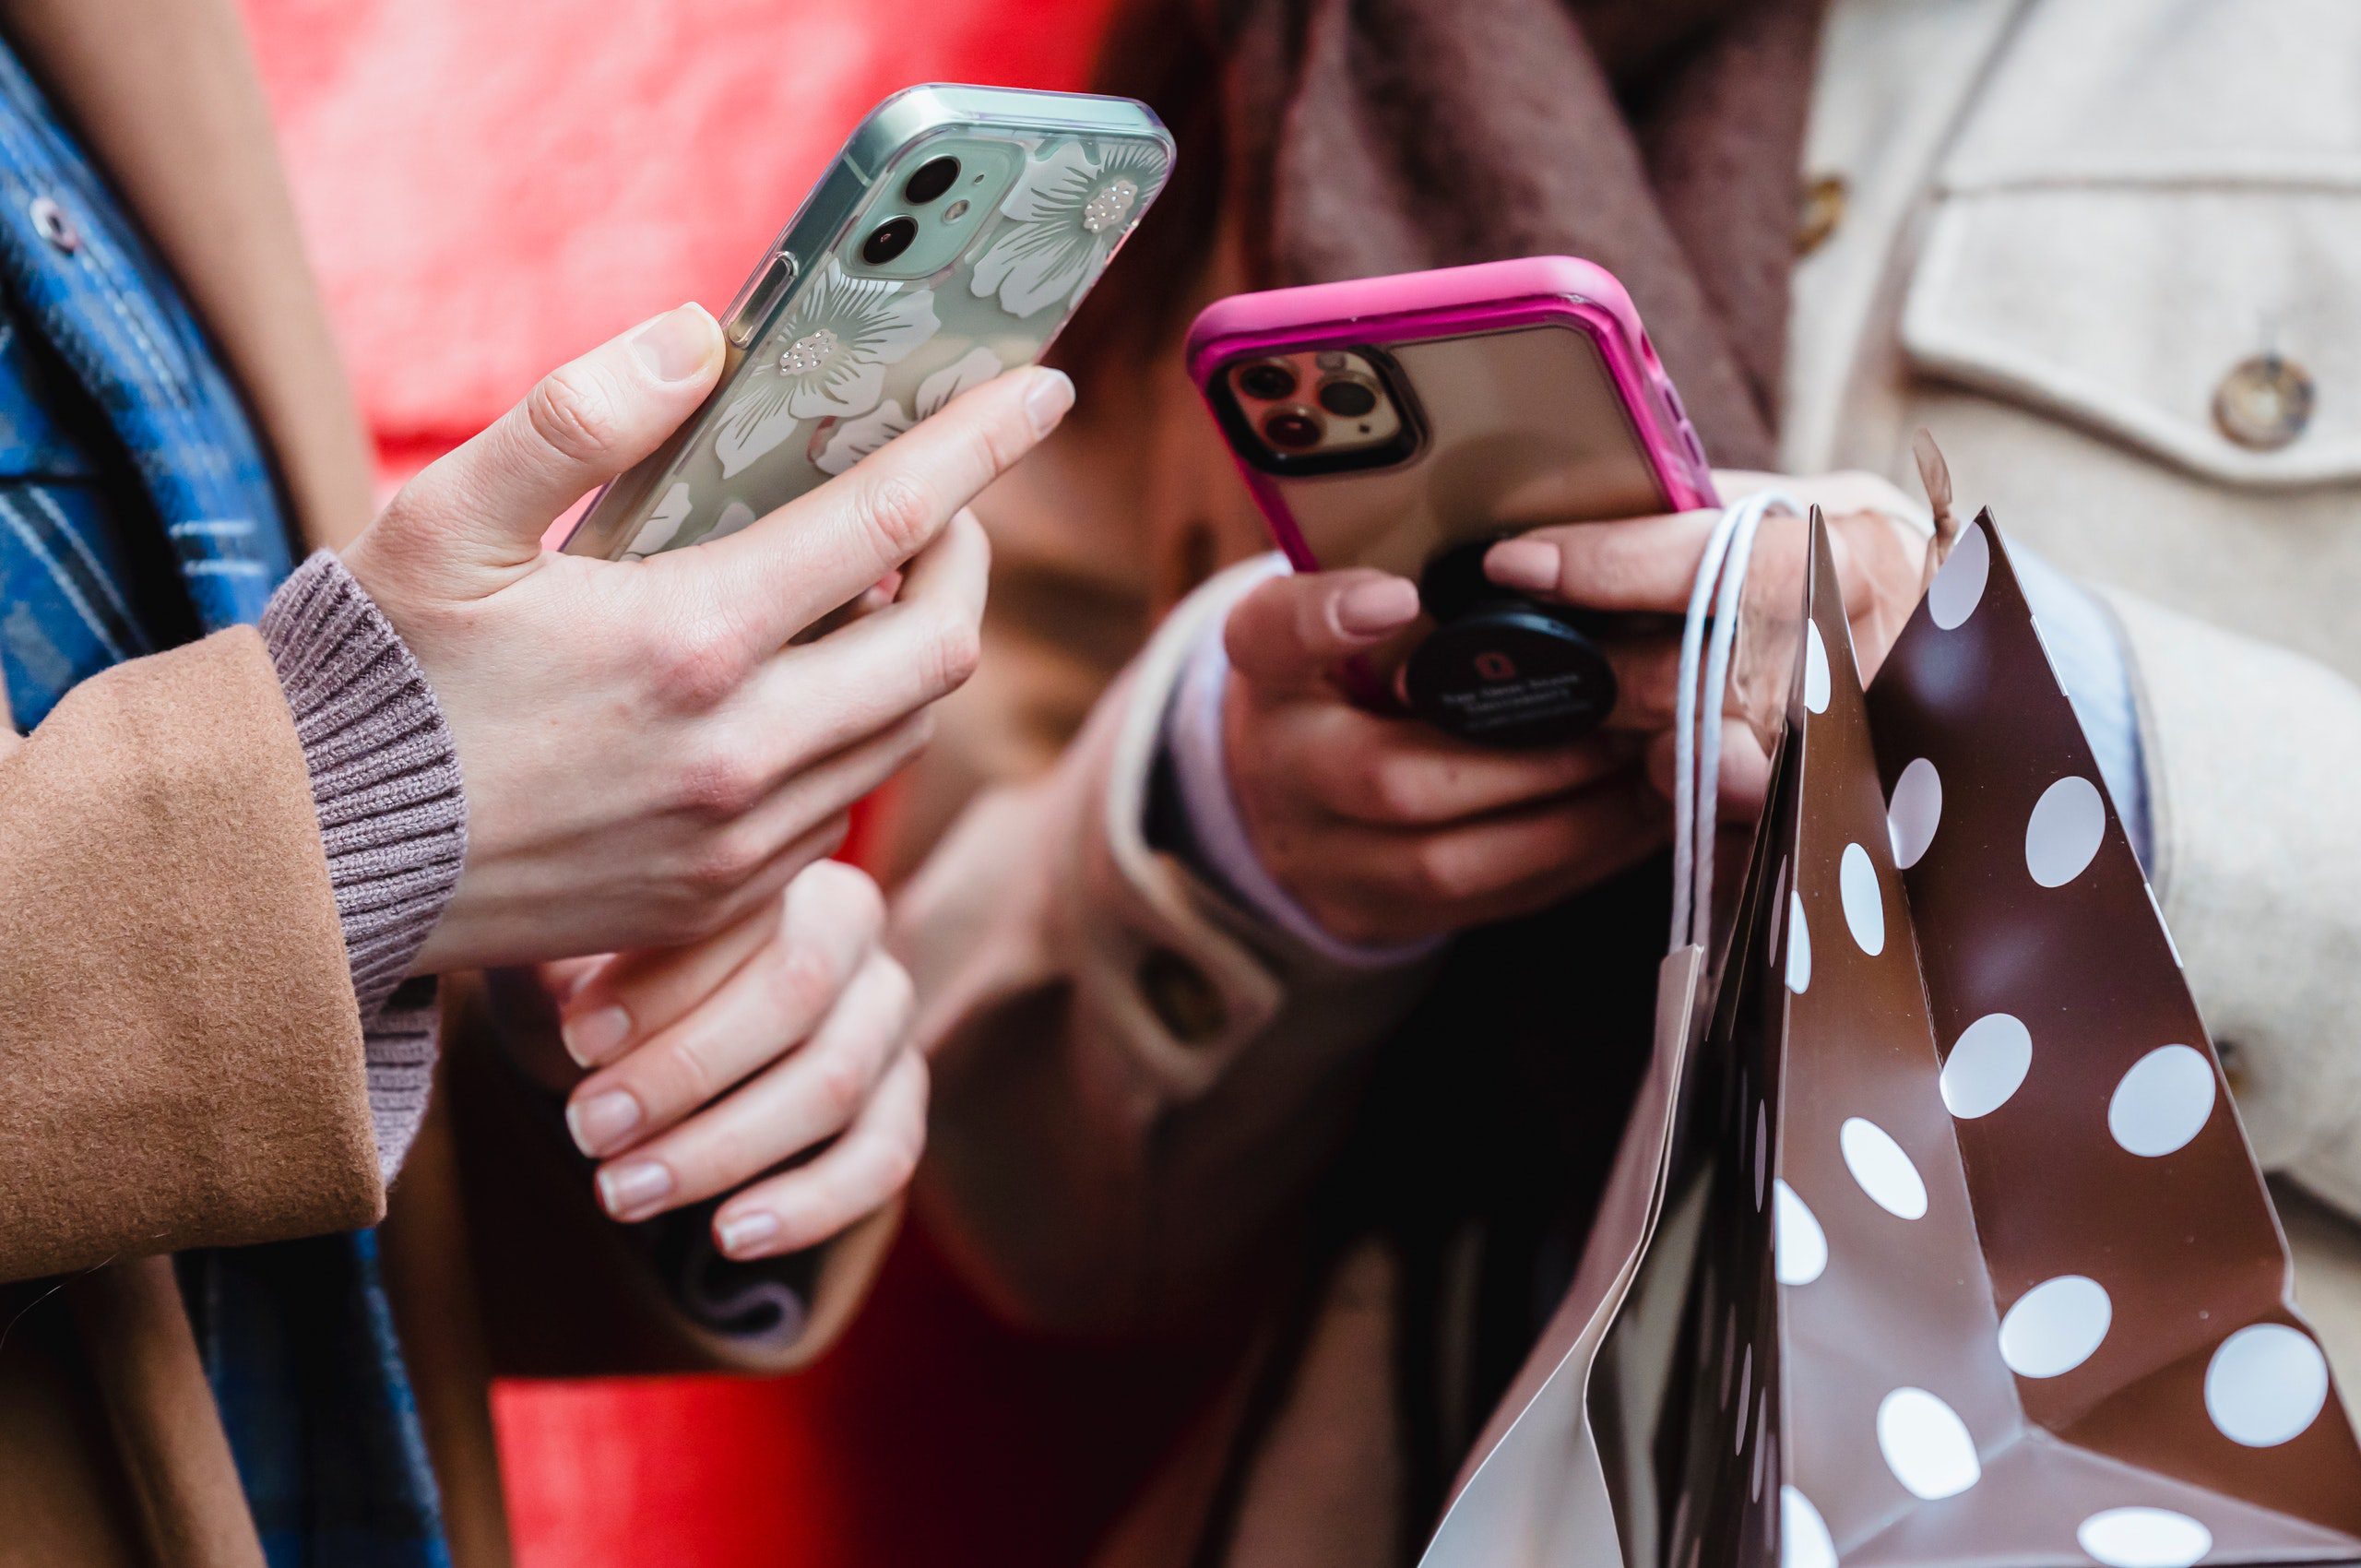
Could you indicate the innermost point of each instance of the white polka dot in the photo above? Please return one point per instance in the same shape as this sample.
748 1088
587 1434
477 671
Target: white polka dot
1916 807
2267 1384
1959 586
2055 1326
2164 1101
1799 1246
2156 905
1987 1063
2144 1537
1745 1392
1761 1443
2064 831
1804 1540
1856 880
1798 947
1815 669
1762 1150
1884 1172
1926 1444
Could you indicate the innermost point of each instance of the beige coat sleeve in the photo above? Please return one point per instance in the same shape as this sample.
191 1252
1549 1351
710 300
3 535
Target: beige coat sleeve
1136 1084
180 1051
2250 754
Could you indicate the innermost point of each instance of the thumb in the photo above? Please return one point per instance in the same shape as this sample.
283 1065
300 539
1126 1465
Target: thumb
1288 633
487 502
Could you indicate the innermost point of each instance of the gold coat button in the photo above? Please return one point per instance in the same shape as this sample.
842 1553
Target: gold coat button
1823 210
1180 996
2264 403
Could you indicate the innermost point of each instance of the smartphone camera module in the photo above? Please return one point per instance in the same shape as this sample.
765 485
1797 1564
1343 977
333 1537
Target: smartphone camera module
888 239
1318 410
932 178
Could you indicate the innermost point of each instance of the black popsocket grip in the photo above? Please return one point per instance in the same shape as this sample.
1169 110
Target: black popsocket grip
1500 668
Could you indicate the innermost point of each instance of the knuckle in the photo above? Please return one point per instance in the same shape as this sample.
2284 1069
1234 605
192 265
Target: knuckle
1388 788
840 1088
899 512
726 865
574 414
898 1161
722 782
804 980
698 665
993 449
690 1076
1441 871
955 647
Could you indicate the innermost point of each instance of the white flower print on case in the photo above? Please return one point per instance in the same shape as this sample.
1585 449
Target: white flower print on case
735 516
840 340
663 523
856 439
1065 215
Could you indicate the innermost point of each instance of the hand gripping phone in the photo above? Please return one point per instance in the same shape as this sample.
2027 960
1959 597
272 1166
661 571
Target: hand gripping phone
1409 422
951 240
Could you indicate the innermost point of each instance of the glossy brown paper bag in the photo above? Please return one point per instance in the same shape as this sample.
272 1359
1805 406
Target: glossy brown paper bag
1934 1238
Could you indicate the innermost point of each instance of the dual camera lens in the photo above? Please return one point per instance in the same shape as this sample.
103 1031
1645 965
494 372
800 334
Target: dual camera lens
926 184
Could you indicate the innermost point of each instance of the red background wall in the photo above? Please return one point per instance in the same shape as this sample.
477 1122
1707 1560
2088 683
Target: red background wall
489 187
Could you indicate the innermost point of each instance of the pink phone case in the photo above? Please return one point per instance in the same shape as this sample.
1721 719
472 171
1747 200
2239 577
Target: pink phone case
1458 302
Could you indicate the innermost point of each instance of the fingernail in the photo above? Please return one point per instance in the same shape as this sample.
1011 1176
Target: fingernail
1528 564
741 1233
1046 401
676 344
630 1190
592 1037
603 1120
1366 609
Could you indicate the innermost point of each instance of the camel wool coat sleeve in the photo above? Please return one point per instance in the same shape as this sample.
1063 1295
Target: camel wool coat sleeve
210 1094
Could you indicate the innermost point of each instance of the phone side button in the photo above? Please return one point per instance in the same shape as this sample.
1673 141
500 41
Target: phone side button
756 300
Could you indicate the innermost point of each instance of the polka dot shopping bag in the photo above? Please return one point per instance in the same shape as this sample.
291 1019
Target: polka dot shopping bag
1934 1238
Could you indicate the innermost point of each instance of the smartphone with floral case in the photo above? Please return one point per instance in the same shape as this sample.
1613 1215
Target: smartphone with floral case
951 240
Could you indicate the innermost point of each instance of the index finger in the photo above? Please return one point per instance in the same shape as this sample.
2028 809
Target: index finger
823 549
1649 563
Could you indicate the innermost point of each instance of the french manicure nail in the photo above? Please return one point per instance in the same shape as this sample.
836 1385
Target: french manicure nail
676 344
629 1191
591 1038
603 1120
1366 609
741 1233
1046 401
1528 564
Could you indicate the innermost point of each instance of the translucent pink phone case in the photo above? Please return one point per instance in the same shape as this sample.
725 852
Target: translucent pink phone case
1517 420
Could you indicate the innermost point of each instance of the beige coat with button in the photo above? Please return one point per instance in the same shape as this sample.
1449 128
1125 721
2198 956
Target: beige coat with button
2064 222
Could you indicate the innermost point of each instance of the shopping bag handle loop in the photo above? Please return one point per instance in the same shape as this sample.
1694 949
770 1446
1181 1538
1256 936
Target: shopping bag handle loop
1697 723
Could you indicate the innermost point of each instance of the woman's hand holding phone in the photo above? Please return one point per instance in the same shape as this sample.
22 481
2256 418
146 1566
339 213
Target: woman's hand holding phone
1384 830
1388 831
647 759
1649 564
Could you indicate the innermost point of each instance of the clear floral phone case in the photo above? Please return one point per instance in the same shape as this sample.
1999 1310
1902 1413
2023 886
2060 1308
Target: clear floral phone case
953 240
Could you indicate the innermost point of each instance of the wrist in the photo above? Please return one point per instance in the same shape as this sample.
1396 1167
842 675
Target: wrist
1209 830
385 776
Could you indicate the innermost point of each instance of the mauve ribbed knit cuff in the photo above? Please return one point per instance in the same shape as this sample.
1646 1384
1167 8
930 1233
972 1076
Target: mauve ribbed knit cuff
386 784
